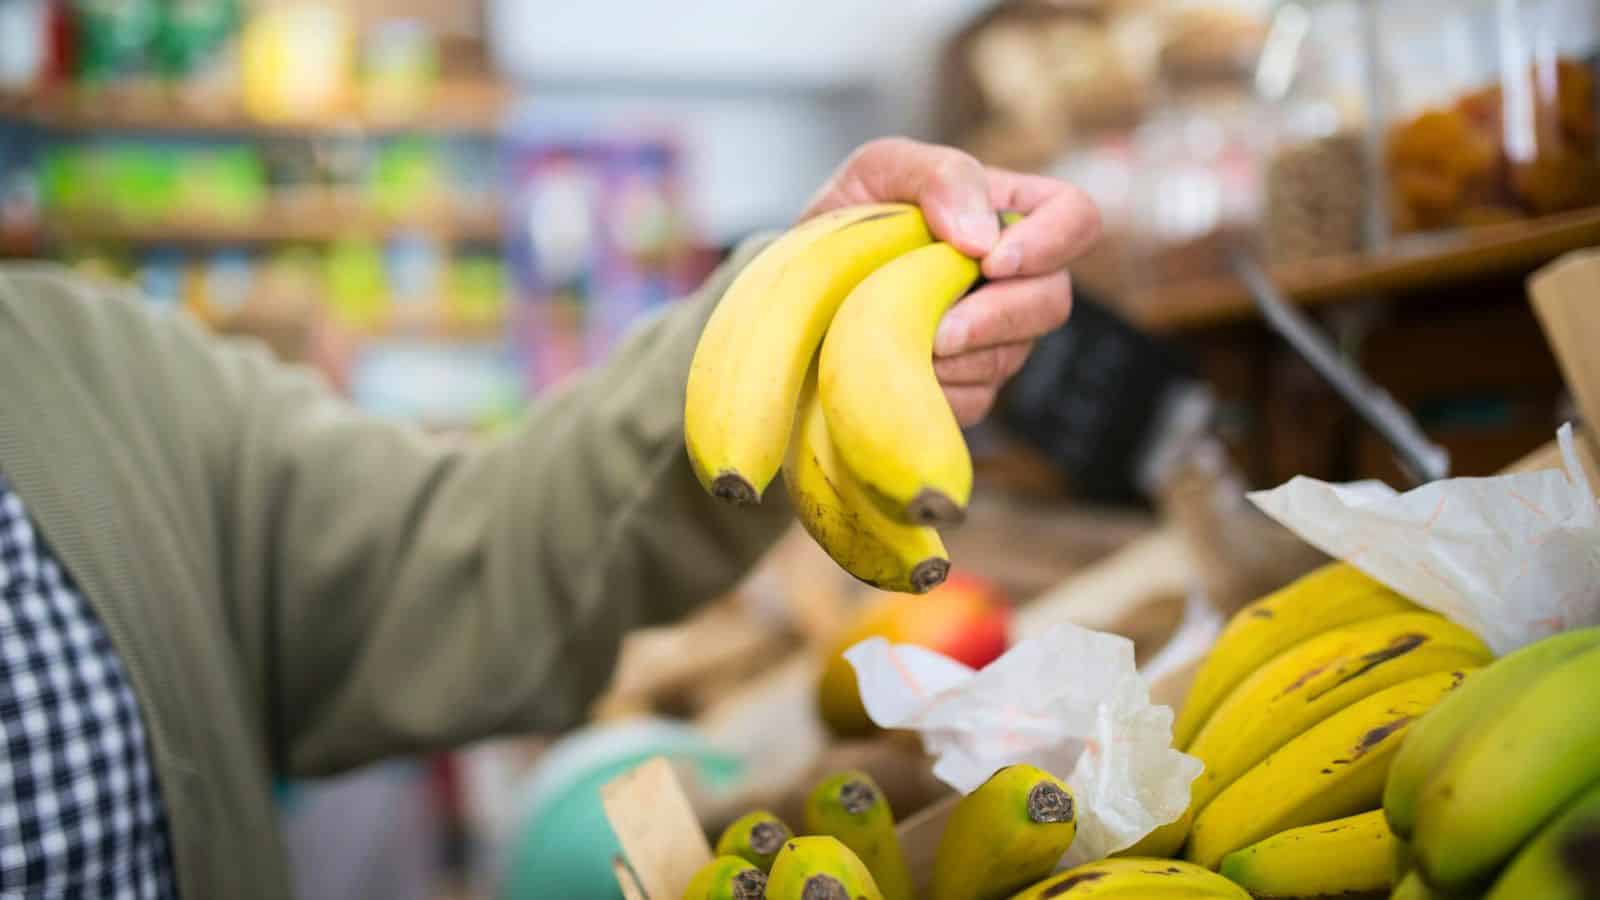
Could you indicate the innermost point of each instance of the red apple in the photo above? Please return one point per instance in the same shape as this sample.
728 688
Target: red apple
965 618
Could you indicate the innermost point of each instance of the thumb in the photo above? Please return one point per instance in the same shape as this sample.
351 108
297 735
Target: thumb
955 199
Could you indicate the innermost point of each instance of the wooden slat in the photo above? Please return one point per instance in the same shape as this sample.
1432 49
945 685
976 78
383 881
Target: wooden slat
1566 297
657 828
1467 255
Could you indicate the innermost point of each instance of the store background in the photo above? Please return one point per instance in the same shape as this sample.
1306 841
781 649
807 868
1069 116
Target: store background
450 207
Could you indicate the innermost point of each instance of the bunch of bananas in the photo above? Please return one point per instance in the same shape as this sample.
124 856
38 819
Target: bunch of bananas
1496 793
818 362
1002 841
1298 713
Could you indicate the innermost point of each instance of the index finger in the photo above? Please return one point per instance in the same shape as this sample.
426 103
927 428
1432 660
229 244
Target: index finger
1059 222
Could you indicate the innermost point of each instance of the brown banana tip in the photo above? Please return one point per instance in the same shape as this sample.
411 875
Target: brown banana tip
823 887
929 574
931 507
767 837
1049 804
751 884
857 797
734 488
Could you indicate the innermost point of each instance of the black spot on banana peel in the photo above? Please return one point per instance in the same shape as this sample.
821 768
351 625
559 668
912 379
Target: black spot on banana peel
1400 646
1068 884
1375 737
1048 804
823 887
857 797
767 837
750 885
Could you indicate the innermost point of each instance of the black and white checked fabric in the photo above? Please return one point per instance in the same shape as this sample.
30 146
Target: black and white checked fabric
80 813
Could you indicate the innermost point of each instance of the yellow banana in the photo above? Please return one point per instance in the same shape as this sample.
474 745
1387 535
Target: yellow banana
1347 857
851 807
1135 879
755 837
755 348
1335 769
1303 686
1167 840
819 867
887 414
1007 834
835 510
727 878
1333 595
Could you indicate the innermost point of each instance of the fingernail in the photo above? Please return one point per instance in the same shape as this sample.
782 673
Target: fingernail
1005 261
979 228
951 336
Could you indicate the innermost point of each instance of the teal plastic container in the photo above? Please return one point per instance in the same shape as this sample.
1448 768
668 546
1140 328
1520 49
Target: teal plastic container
563 845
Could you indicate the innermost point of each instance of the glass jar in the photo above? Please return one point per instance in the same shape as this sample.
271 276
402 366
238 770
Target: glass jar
1317 186
1197 191
1489 112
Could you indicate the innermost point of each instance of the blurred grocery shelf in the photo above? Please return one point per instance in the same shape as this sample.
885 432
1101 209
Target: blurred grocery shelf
459 105
320 217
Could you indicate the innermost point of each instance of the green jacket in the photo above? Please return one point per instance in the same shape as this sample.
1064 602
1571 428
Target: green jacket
297 588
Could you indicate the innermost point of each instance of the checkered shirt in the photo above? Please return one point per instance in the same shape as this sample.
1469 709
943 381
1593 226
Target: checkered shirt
80 813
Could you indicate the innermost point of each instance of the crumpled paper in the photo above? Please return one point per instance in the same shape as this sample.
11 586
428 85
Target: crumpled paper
1514 558
1069 701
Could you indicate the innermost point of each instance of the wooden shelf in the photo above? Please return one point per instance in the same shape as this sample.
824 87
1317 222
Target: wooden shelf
1481 252
289 221
465 105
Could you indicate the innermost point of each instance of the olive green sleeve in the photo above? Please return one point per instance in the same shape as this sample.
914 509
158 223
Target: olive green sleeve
415 595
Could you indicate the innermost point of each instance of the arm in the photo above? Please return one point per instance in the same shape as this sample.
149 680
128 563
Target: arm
413 595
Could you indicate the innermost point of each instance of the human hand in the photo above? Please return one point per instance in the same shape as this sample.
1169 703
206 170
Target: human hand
984 339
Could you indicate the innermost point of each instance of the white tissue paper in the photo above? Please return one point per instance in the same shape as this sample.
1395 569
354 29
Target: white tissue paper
1069 701
1514 558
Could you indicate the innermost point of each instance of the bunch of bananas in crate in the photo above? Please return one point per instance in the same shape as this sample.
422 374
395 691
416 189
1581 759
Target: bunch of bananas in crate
1001 841
1298 713
818 362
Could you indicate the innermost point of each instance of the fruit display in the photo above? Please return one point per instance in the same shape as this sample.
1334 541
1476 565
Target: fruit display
964 619
1298 713
1003 841
818 363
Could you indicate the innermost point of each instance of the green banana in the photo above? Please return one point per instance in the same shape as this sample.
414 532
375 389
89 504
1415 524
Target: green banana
1510 775
727 878
1562 862
819 867
755 837
1412 887
1007 834
1347 857
1134 878
1483 698
851 807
